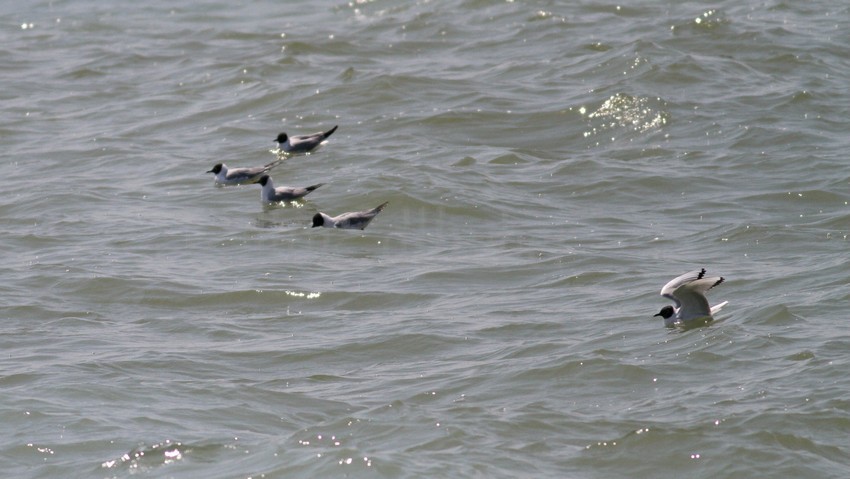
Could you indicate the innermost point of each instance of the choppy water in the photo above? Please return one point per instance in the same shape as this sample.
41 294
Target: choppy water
549 166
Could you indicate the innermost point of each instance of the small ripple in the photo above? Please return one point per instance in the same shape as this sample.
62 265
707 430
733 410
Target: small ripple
147 458
706 21
626 112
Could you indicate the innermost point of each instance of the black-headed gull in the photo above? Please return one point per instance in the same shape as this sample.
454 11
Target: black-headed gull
270 194
240 176
688 293
355 220
302 143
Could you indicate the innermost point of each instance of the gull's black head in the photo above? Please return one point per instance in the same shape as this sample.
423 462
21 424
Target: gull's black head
263 180
666 312
318 220
281 138
216 169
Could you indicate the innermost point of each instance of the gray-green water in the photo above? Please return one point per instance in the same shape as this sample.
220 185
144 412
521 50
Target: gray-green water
549 166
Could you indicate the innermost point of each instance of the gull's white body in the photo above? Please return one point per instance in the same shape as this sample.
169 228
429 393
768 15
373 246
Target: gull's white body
688 295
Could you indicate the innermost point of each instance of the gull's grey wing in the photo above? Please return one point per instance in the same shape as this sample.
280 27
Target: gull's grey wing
678 281
284 193
250 173
668 290
235 174
290 193
359 220
692 303
353 221
304 143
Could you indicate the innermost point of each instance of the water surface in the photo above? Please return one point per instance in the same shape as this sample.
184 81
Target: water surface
548 166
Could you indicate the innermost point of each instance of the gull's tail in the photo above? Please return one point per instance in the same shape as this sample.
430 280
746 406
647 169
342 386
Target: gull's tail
379 208
273 164
718 307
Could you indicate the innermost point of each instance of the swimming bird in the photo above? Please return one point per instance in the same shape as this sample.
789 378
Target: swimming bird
270 194
355 220
240 176
688 293
302 143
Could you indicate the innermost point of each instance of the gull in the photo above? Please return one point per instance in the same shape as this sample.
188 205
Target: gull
240 176
355 220
688 293
302 143
270 194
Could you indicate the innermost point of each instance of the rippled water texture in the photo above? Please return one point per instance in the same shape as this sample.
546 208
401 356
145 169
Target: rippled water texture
549 166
